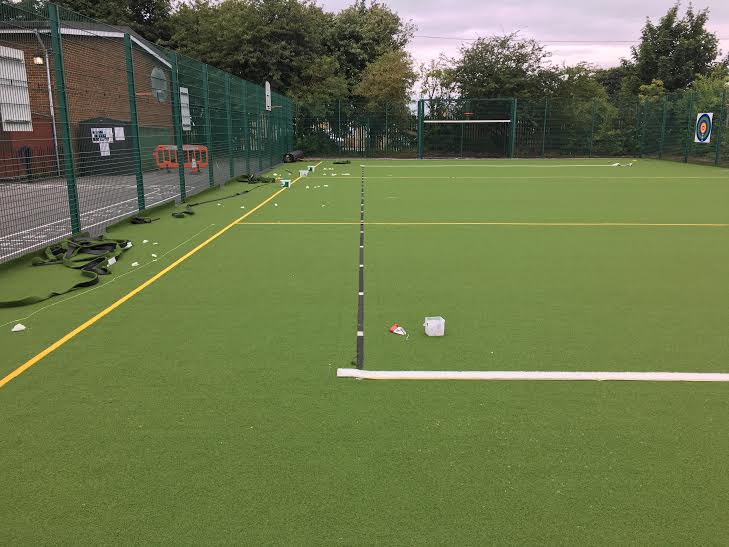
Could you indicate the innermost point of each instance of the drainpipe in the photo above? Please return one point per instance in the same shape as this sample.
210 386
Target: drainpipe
50 103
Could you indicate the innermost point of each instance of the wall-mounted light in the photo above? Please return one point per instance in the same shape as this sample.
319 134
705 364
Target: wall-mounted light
38 60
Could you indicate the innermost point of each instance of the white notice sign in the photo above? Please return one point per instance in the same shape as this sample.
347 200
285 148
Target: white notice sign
119 133
104 147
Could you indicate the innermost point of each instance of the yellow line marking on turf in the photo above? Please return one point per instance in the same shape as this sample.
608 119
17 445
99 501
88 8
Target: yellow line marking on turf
534 224
58 343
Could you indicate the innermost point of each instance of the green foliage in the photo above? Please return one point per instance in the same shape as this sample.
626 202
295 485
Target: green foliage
501 66
654 90
578 82
319 84
388 79
260 40
363 32
150 18
676 50
316 141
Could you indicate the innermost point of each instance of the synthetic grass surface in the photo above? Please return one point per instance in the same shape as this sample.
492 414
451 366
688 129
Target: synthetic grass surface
205 409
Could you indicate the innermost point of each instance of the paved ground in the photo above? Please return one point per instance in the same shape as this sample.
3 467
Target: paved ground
36 213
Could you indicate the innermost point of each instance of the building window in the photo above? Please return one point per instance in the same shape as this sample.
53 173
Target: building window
159 84
14 97
185 109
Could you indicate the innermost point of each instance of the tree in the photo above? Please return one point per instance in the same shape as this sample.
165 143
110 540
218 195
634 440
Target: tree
259 40
149 18
387 79
318 86
501 66
653 91
361 33
676 50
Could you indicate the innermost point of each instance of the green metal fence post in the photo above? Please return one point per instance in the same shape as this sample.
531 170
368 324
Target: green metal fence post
246 129
663 127
722 117
177 123
689 128
639 129
339 125
134 122
69 170
229 117
421 126
592 128
208 126
512 146
544 125
387 128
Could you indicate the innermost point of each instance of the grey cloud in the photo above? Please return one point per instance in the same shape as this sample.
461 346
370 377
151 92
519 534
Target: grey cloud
540 19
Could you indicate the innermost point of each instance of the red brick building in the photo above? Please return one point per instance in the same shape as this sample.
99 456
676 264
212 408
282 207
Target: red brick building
96 87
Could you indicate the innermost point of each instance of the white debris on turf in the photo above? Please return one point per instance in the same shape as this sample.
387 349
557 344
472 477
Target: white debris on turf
242 206
155 243
397 329
326 186
307 187
134 264
154 255
18 328
275 204
145 241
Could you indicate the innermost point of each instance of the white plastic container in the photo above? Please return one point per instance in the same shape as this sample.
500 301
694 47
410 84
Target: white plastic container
434 326
312 168
303 173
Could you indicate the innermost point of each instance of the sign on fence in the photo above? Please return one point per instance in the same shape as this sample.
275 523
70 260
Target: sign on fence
704 121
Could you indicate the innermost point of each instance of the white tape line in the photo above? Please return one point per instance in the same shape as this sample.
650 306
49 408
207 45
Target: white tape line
531 375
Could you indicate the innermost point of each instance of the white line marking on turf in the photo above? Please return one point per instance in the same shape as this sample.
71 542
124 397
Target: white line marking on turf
532 375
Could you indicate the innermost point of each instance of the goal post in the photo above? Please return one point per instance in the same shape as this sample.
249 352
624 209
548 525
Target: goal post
481 128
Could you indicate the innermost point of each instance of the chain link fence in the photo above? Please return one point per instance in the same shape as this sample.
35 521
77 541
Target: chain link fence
99 124
544 127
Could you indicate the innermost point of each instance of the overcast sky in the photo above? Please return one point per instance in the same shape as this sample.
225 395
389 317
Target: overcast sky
588 20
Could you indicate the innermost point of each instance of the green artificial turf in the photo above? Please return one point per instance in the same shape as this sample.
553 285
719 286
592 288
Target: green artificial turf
206 409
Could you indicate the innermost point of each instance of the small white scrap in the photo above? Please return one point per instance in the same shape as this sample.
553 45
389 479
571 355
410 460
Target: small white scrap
326 186
275 204
334 174
134 264
111 261
346 175
307 187
18 328
155 243
145 241
219 204
154 255
242 206
129 245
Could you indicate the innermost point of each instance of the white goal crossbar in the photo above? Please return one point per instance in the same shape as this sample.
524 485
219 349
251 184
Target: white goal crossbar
466 121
